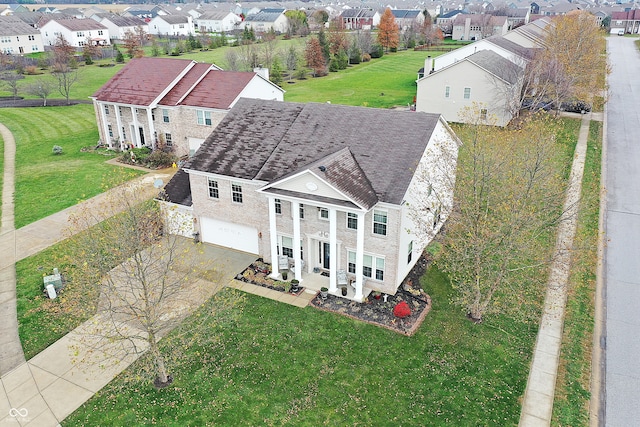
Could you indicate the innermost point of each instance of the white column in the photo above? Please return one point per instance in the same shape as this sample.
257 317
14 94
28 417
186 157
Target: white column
359 257
119 124
273 237
105 125
135 137
297 260
152 128
333 251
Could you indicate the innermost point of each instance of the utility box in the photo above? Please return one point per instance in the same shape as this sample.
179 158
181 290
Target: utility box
55 280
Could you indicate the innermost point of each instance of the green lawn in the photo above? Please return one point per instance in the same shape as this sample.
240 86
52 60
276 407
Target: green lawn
382 83
281 365
48 183
571 406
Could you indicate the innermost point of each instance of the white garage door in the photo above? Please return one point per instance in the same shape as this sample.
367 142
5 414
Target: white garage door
230 235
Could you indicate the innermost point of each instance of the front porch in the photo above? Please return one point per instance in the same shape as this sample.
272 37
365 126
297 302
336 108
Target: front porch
260 274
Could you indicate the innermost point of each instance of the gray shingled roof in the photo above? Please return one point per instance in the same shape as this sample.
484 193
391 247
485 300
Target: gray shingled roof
495 64
178 190
174 19
263 16
122 21
369 153
512 47
11 26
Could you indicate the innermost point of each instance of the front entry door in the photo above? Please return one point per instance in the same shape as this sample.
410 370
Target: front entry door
324 254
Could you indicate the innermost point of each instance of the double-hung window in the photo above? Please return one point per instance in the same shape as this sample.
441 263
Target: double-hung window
287 246
236 193
214 191
372 265
278 206
106 109
165 115
380 223
204 117
410 252
323 213
447 91
467 93
301 211
168 140
352 221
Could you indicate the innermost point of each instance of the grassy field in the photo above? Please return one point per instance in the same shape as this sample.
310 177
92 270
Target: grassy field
382 83
48 183
281 365
571 406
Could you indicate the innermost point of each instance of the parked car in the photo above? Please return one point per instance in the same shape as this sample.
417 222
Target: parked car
536 105
621 32
576 106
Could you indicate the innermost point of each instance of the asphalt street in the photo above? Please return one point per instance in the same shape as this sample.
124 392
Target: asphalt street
621 341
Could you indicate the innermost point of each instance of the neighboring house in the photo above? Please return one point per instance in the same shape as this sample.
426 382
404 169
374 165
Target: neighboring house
18 37
628 21
119 25
445 20
176 102
174 25
407 18
267 20
312 190
531 35
484 78
145 12
31 18
517 17
76 31
12 9
217 21
477 27
359 19
498 44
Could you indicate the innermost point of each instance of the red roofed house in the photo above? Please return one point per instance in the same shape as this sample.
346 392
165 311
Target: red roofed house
176 101
628 21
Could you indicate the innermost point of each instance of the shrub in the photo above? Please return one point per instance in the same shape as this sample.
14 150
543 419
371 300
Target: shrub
333 65
160 159
366 57
57 149
376 51
402 310
31 70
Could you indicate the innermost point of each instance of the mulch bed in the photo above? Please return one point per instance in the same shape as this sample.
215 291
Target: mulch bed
258 274
380 313
8 102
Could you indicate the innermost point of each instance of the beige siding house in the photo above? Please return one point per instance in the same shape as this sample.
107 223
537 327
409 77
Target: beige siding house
174 102
483 78
302 187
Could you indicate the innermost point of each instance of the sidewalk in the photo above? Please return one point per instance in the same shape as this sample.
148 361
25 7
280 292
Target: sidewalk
537 406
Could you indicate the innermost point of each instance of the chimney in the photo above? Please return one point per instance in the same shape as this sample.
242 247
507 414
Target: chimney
264 72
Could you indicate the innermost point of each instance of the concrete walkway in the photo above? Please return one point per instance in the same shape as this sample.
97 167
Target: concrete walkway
538 399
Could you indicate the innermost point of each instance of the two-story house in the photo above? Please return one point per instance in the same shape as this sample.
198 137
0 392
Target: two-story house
217 21
267 20
359 19
18 37
119 25
484 78
303 182
173 25
77 32
174 101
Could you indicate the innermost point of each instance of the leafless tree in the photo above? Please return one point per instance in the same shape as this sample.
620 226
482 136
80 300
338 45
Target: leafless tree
40 88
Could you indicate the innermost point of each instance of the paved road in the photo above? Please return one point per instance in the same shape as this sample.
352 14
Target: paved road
622 233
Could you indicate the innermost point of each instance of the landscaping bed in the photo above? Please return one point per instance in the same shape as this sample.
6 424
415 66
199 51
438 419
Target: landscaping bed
258 274
379 312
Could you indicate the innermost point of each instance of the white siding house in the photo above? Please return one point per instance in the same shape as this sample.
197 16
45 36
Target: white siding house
77 32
